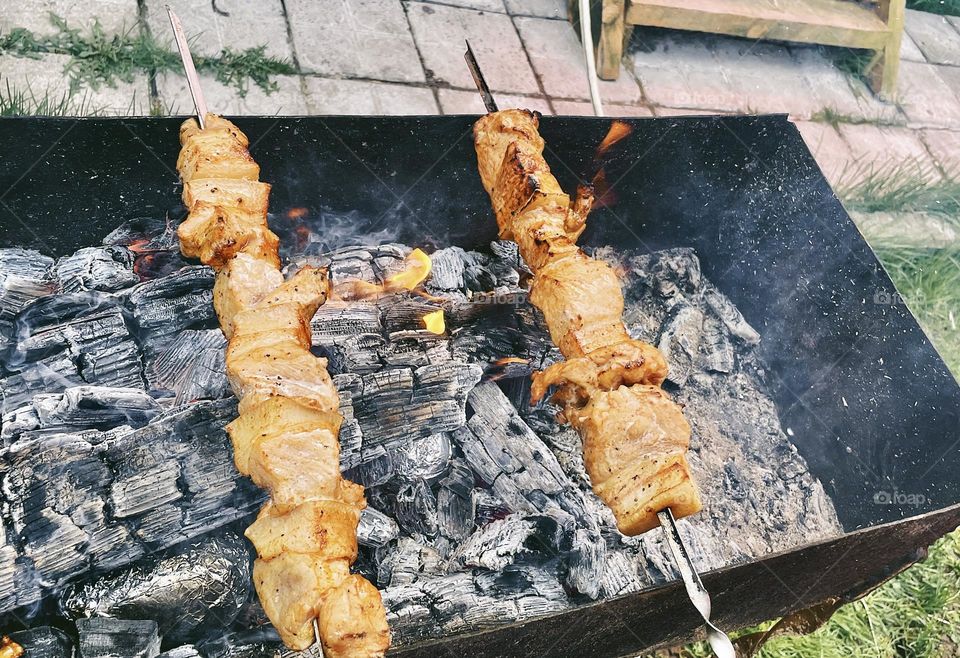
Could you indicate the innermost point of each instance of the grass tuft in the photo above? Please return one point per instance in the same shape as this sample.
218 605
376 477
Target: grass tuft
98 58
948 7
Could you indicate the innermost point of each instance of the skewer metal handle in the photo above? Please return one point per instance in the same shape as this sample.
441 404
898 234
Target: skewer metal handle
719 641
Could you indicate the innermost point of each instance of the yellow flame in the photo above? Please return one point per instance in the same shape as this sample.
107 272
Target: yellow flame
416 270
434 322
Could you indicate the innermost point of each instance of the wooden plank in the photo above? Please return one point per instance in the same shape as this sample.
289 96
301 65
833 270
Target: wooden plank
829 22
610 46
883 73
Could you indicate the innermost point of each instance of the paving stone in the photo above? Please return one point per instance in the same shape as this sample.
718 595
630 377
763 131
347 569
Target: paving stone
950 75
541 8
481 5
688 51
937 39
889 150
331 96
945 147
918 230
909 50
557 57
286 100
766 94
828 148
237 24
440 32
114 16
585 109
47 78
689 89
354 38
925 97
454 101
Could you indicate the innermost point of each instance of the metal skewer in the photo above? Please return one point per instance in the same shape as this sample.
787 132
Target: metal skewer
193 80
719 641
479 80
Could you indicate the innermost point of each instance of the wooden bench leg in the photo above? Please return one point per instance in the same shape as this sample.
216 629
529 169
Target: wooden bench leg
610 47
883 71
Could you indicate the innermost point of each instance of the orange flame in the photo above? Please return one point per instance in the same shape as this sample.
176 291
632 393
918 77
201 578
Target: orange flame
416 270
297 213
509 359
619 130
434 322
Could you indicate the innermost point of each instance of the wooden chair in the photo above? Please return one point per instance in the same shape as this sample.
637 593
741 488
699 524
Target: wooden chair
876 25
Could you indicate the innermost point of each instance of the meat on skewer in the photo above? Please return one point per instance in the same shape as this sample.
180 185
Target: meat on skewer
285 437
634 437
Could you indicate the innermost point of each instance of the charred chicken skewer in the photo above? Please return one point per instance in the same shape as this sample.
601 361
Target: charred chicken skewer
634 437
285 437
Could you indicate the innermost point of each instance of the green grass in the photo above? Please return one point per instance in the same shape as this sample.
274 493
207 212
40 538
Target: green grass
950 7
16 102
97 58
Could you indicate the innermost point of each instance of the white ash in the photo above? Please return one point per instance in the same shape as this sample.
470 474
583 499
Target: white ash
480 511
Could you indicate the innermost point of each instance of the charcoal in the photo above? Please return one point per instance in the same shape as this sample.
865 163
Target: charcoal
456 502
408 561
375 467
44 642
118 638
716 350
517 580
447 269
183 651
670 273
96 268
147 234
409 614
139 493
489 507
389 408
99 407
201 584
376 528
423 458
730 315
192 366
415 508
585 562
163 307
404 314
680 341
499 543
619 575
25 275
337 320
505 453
71 339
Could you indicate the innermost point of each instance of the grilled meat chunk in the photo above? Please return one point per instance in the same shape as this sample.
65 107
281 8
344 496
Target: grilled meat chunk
634 437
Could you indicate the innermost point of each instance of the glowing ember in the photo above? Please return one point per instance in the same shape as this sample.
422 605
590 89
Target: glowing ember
416 270
434 322
297 213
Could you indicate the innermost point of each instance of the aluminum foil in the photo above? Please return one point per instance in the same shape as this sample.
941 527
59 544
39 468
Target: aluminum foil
193 592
